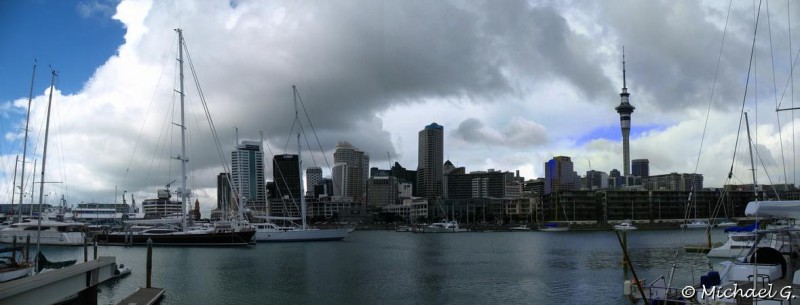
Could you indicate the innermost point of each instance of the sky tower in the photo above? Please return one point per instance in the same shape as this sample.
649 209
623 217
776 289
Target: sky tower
625 109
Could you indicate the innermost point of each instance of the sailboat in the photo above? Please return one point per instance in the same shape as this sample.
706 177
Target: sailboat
271 232
219 234
444 226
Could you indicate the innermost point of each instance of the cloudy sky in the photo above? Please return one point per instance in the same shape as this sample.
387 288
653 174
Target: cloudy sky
514 83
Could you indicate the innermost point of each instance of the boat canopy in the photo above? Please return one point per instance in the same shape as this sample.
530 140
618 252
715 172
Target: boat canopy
776 209
749 228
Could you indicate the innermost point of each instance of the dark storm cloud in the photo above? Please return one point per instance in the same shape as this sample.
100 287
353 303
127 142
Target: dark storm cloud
518 133
353 59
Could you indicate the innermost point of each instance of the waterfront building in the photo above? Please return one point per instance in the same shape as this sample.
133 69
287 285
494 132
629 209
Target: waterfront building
404 175
161 207
534 186
247 172
513 190
559 175
352 178
404 190
411 209
477 184
674 182
430 175
596 180
286 174
615 179
339 177
640 167
381 191
625 109
324 188
376 172
313 178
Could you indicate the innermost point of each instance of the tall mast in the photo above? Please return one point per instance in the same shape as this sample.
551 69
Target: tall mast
44 159
14 187
752 164
182 157
303 209
25 144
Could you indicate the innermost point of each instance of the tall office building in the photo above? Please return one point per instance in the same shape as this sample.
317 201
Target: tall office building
223 191
247 172
430 174
313 177
625 109
339 176
559 175
640 167
286 174
354 183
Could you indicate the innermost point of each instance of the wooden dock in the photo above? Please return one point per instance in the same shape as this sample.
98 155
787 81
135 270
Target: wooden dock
143 296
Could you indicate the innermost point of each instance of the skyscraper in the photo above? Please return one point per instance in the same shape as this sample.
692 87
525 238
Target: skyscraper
247 172
313 177
559 175
640 167
430 173
286 174
223 191
354 184
625 109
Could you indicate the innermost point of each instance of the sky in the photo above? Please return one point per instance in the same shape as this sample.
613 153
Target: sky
514 83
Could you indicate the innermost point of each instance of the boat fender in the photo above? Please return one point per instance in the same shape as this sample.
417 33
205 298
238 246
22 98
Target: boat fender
626 288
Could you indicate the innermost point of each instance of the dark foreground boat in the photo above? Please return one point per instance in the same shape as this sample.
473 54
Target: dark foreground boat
172 237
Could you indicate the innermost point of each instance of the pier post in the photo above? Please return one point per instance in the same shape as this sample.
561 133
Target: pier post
625 248
85 251
95 249
14 247
27 248
149 261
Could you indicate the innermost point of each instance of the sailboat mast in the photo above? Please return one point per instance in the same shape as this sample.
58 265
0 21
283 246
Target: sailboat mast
182 157
303 209
44 159
752 164
25 144
14 187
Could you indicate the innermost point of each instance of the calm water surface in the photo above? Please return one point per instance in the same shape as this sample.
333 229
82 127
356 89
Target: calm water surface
379 267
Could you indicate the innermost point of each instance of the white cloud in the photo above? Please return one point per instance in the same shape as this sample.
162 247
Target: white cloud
514 84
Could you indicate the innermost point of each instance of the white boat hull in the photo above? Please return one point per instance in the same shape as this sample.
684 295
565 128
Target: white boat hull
13 274
51 238
270 235
443 230
554 229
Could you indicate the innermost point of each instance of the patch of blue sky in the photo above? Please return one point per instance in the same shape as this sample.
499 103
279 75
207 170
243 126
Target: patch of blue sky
74 37
614 133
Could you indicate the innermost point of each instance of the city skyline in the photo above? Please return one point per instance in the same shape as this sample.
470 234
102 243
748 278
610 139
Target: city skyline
514 83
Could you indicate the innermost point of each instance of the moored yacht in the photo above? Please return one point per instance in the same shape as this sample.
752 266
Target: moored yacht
444 226
270 232
56 233
624 226
695 224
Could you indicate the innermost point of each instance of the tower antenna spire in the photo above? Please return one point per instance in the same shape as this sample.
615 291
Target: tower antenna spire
624 83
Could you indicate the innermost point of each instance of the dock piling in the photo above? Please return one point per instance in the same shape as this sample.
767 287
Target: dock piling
85 251
95 249
149 262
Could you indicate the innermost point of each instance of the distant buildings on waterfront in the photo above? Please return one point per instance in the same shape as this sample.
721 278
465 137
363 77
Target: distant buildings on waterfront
438 189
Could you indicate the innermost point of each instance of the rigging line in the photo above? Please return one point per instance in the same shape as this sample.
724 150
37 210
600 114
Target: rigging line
313 130
167 55
708 110
289 138
713 89
746 85
313 160
206 110
791 78
775 93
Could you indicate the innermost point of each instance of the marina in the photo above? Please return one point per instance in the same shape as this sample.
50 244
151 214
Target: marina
401 268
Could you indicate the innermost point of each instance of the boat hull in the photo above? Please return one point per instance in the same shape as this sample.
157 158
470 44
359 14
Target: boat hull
15 273
556 229
48 238
240 238
301 235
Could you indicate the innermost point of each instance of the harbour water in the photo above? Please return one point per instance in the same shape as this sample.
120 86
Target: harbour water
380 267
